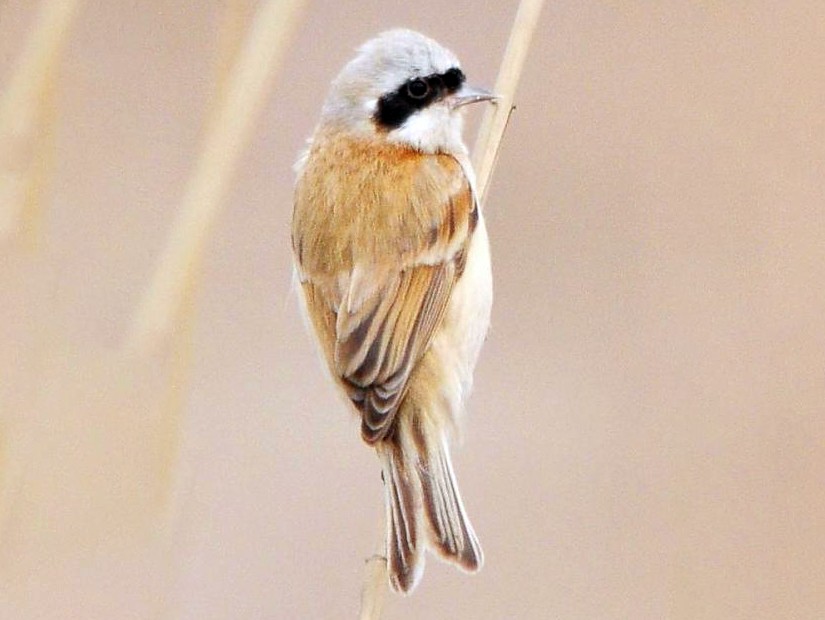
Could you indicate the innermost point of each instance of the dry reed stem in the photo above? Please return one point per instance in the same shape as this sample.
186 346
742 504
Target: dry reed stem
375 586
229 39
40 169
231 30
247 87
27 119
27 115
491 132
485 156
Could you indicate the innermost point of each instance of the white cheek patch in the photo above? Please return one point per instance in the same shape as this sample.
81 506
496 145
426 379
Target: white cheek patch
434 129
370 106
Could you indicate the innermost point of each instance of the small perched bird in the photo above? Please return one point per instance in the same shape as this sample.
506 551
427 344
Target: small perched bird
394 265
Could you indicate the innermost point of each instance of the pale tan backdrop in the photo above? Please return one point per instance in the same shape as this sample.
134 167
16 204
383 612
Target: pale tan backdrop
646 434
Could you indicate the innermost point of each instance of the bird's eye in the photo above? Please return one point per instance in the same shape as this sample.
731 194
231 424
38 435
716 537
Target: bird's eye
453 79
418 89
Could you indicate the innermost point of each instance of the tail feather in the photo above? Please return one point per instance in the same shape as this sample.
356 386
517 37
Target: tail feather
405 557
424 507
450 531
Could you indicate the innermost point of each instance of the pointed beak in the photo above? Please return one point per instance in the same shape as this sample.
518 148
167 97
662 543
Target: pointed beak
471 94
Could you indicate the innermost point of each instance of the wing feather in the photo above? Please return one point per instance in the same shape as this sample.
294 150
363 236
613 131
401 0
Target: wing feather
395 332
377 313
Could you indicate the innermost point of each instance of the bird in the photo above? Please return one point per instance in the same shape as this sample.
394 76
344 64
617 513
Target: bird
392 258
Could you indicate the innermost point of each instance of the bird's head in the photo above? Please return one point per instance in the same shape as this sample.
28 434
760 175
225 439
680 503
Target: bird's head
405 88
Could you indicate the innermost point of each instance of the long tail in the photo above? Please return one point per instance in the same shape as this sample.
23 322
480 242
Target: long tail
424 507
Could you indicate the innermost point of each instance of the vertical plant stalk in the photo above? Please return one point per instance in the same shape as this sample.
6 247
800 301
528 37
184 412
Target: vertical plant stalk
491 132
229 39
27 121
27 114
485 156
246 88
374 590
231 30
243 68
40 168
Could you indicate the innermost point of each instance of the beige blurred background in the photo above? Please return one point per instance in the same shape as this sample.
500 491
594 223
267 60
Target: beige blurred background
646 436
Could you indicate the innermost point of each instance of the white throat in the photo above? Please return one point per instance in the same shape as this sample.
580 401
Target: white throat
435 129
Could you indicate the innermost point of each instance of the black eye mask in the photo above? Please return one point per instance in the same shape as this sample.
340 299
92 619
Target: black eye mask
416 94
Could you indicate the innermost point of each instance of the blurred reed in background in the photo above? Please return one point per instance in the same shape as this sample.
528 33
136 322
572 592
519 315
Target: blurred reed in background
89 436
